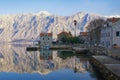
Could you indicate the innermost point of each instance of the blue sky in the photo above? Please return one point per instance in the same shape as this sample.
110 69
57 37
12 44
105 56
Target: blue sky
61 7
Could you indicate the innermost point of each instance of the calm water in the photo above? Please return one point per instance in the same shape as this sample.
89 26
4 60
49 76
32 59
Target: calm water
18 64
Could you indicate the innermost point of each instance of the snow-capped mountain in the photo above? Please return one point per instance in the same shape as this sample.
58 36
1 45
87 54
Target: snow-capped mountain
30 25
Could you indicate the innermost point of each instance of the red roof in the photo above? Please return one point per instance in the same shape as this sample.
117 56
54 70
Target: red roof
83 33
49 34
113 20
42 34
63 33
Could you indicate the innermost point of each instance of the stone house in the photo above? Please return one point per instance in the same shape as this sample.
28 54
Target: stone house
84 36
110 34
46 39
63 34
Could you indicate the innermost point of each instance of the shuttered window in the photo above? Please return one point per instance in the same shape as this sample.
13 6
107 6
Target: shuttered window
118 33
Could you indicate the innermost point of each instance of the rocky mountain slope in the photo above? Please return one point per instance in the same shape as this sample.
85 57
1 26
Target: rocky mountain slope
28 26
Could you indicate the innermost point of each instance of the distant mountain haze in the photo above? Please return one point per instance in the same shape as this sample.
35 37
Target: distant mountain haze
28 26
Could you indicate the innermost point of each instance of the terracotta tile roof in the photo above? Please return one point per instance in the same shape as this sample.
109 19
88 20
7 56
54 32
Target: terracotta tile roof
113 20
63 33
83 33
49 34
42 34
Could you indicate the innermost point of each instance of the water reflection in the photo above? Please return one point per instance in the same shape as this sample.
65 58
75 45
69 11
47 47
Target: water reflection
17 59
46 55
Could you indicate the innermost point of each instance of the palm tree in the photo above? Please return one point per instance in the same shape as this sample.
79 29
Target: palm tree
75 23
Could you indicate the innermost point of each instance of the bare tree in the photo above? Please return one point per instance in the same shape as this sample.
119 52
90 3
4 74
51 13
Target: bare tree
94 29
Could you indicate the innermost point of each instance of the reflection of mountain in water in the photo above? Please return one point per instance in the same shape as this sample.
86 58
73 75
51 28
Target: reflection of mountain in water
17 59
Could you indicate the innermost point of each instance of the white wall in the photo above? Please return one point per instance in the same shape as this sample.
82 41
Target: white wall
106 35
116 39
46 40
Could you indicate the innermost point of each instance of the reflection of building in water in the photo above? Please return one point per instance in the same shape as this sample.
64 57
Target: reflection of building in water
46 55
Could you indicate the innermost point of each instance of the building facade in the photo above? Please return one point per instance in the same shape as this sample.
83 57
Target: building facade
106 35
116 34
84 36
110 35
46 39
63 34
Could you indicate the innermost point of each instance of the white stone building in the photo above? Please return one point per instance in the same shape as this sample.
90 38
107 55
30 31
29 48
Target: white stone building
46 39
84 36
110 35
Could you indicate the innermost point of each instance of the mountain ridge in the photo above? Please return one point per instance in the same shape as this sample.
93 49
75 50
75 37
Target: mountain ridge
29 25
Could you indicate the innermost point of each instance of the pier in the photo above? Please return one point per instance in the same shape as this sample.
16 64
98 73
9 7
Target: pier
107 67
31 48
68 48
79 50
60 47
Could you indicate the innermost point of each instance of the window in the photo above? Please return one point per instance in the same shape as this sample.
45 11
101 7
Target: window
109 34
103 35
109 43
103 43
106 34
118 33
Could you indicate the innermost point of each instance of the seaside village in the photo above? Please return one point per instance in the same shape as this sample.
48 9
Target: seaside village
101 42
105 34
60 40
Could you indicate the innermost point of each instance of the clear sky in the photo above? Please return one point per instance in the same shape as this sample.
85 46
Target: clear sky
61 7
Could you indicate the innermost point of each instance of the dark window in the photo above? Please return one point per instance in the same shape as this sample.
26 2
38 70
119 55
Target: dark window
48 38
43 38
107 24
118 33
109 43
109 34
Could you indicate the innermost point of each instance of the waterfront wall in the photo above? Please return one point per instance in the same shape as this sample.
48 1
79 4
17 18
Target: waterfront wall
103 70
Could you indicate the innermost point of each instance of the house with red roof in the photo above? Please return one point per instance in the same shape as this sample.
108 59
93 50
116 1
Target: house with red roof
110 34
84 36
46 39
63 34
